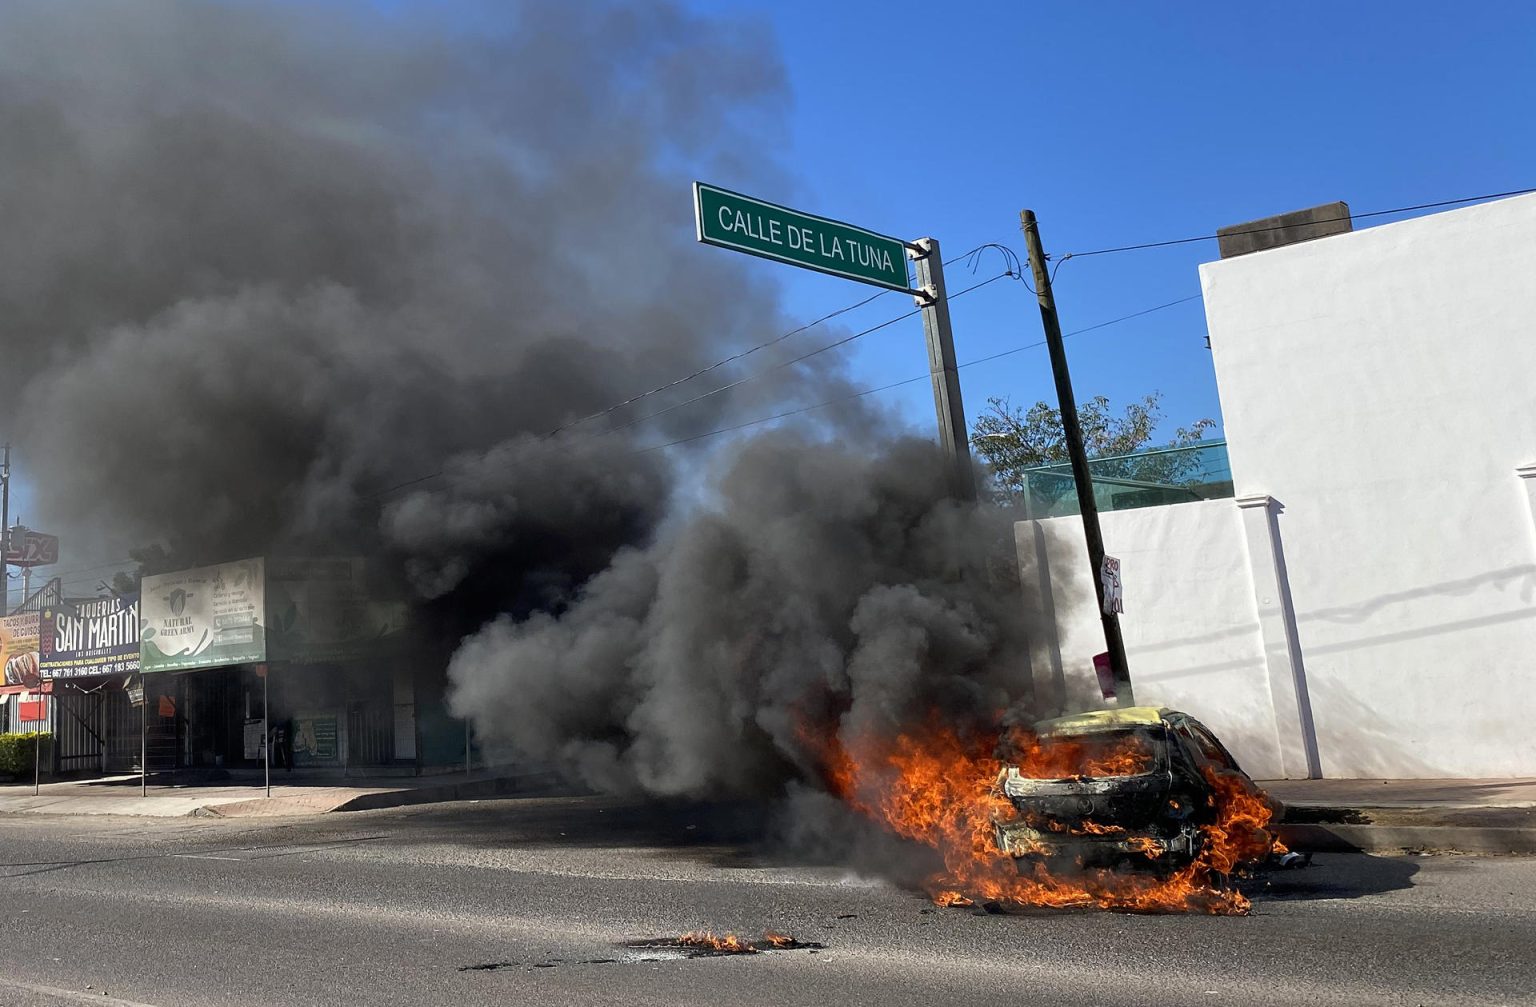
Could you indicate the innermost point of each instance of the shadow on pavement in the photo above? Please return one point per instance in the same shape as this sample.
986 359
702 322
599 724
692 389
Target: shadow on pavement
259 851
1337 876
722 833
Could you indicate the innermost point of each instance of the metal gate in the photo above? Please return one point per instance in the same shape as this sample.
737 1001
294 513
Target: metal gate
79 743
97 731
370 734
163 696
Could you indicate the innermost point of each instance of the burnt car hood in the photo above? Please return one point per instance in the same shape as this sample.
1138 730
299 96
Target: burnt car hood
1125 801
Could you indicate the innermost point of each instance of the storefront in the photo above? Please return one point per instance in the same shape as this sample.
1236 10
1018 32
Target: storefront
88 656
296 651
23 706
202 667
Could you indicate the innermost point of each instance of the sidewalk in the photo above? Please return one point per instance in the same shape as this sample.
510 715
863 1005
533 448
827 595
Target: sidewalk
1393 816
246 798
1377 816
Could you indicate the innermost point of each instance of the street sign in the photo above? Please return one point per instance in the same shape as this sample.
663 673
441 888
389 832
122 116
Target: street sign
731 220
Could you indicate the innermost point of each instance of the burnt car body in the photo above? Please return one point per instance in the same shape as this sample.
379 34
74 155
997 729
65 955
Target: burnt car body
1150 811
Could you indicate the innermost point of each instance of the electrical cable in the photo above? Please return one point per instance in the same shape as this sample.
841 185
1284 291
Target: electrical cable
833 401
1013 268
914 380
795 360
716 365
973 253
1278 227
1078 332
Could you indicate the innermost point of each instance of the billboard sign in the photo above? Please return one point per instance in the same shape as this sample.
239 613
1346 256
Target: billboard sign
321 610
203 618
19 650
86 637
25 547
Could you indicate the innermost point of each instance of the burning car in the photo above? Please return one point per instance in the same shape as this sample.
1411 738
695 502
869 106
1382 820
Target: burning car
1137 787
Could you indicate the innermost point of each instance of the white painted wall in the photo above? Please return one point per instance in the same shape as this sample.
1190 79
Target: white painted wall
1380 387
1190 624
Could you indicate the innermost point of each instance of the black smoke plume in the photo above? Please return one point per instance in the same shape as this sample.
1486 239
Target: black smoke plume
310 278
821 589
264 262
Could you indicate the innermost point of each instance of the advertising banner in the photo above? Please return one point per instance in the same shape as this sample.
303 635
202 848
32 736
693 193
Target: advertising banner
31 548
19 650
86 637
320 610
203 618
316 740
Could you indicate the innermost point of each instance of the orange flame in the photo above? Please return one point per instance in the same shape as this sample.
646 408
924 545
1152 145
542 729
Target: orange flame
707 939
937 789
778 940
1062 758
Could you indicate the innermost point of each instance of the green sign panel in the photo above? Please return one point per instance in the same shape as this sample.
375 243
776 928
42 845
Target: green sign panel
731 220
204 618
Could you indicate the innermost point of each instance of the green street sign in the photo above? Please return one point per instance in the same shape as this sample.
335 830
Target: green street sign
731 220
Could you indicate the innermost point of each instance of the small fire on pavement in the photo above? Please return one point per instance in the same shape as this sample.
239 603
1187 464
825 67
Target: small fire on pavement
708 944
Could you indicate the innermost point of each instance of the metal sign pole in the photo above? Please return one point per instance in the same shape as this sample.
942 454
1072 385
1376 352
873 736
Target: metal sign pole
266 731
746 224
37 758
143 737
933 299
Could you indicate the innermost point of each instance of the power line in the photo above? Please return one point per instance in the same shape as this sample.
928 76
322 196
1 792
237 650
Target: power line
802 409
788 412
1078 332
697 398
914 380
804 356
1012 268
84 569
717 364
1277 227
43 575
1010 257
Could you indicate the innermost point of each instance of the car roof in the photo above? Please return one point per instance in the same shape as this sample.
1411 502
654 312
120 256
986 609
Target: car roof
1103 720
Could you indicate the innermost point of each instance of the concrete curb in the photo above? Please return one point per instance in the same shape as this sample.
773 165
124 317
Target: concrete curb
438 793
1408 838
467 791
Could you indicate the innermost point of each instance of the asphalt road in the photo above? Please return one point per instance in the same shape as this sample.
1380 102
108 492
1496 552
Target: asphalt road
396 907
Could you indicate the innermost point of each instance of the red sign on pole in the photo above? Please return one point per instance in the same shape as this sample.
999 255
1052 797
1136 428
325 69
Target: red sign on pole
1105 675
31 709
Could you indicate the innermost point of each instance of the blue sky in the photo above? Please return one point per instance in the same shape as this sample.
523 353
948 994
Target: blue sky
1118 123
1121 123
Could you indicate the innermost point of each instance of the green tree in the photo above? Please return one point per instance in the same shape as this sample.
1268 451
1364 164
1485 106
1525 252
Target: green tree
1012 440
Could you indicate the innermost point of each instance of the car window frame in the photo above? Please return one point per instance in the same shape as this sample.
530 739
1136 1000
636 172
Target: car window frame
1182 740
1202 737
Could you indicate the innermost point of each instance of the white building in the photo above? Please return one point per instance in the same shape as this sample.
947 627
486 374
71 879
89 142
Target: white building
1366 605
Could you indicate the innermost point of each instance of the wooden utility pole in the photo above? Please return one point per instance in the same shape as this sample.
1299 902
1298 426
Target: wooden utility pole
1077 453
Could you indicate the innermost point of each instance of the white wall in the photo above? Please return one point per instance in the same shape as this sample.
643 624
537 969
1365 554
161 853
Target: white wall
1381 386
1190 624
1370 609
